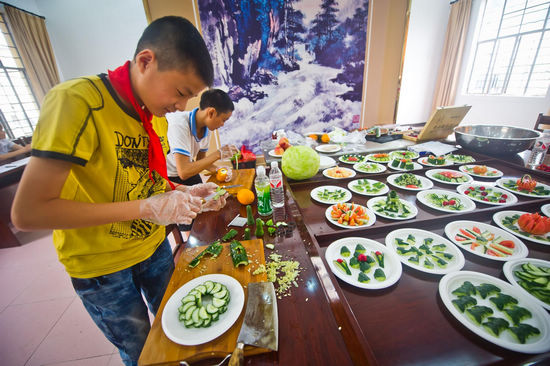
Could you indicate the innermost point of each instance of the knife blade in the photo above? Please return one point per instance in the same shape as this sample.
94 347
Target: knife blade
260 326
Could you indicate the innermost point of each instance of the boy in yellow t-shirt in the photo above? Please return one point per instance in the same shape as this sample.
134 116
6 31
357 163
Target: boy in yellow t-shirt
98 156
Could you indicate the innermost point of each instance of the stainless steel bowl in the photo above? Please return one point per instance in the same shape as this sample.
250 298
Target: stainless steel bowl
495 140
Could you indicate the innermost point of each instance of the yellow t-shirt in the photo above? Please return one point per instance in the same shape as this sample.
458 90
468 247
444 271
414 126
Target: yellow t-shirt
84 122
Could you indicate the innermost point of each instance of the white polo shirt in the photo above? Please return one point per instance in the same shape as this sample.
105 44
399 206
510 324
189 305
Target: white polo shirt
182 138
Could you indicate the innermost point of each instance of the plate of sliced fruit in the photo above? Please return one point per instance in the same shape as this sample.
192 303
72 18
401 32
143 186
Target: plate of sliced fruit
363 263
531 276
330 194
485 240
448 176
352 158
368 187
379 157
445 201
392 207
481 171
487 194
425 251
525 186
409 181
432 160
530 226
350 215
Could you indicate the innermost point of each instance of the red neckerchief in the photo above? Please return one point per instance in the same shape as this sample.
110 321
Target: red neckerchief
120 80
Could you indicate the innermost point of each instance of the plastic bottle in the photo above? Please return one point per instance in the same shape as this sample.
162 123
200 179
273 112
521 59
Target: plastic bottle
261 183
539 150
276 184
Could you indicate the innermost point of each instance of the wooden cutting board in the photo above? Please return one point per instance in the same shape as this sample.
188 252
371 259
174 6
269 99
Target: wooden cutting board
159 349
241 176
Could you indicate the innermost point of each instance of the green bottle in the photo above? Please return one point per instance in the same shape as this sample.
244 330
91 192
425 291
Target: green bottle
261 183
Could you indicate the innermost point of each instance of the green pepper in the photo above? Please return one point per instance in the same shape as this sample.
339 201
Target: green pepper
259 228
249 215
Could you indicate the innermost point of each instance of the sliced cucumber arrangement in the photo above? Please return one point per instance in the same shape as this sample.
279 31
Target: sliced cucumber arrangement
195 313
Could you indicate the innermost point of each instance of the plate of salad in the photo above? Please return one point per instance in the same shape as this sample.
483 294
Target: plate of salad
445 201
330 194
531 276
460 159
409 181
432 160
448 176
363 263
481 171
350 215
425 251
379 157
338 173
368 187
532 226
352 158
485 240
525 186
496 311
392 207
403 154
368 167
487 194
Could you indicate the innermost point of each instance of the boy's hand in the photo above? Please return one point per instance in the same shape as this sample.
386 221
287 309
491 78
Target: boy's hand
227 151
214 204
170 207
202 190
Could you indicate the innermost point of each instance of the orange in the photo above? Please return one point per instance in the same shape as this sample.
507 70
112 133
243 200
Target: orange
245 196
313 136
325 138
221 175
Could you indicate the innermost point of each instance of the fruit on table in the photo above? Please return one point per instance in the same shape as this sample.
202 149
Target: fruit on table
325 138
245 196
351 215
313 136
526 183
480 169
300 162
534 223
224 174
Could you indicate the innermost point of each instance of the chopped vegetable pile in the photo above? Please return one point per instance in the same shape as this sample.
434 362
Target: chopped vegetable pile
349 214
485 242
486 194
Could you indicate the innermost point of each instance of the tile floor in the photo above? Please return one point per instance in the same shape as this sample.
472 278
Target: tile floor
42 321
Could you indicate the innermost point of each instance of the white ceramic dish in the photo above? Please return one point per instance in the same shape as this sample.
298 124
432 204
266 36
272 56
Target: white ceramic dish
426 183
424 161
327 172
315 194
370 157
398 154
392 265
329 148
178 333
452 157
500 182
432 172
423 197
415 167
369 213
326 162
362 167
412 208
510 198
499 218
510 267
272 154
468 169
545 209
455 264
360 159
539 319
453 228
351 185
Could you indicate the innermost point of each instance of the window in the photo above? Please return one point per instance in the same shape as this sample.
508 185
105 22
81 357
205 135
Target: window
18 107
512 53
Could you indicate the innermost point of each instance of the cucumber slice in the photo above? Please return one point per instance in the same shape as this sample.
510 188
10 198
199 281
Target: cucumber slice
188 298
221 294
195 316
203 314
207 323
215 316
198 324
217 287
201 288
218 302
190 311
188 323
186 306
182 317
223 309
211 309
209 286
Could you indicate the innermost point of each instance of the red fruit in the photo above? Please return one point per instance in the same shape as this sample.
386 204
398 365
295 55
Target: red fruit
483 193
505 196
508 244
378 252
492 252
471 188
526 183
452 202
445 203
339 260
486 199
362 258
502 201
534 223
466 192
411 186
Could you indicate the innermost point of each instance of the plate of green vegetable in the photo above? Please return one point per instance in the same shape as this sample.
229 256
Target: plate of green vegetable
368 167
425 251
403 154
392 207
352 158
460 159
445 201
530 276
363 263
368 187
486 193
496 311
330 194
409 181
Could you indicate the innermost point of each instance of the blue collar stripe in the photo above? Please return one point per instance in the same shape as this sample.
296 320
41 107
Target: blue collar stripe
181 151
193 122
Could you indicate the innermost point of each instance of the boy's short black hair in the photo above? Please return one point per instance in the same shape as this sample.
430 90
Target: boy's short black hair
177 45
217 99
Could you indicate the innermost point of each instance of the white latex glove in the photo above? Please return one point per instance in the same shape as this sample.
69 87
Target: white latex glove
227 151
214 204
171 207
202 190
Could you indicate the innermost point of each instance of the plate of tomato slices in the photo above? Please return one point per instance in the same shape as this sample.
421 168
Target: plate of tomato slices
350 215
485 240
530 226
525 186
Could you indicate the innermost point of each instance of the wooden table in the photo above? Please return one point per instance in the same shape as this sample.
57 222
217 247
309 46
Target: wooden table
328 322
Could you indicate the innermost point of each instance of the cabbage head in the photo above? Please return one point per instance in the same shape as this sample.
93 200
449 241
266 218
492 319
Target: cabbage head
300 162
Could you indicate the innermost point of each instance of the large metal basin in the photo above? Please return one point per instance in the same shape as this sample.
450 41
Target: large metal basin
495 140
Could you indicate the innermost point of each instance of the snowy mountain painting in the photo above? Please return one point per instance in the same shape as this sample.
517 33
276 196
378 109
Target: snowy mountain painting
287 64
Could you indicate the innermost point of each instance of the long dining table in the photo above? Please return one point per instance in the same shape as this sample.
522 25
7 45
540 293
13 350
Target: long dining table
326 321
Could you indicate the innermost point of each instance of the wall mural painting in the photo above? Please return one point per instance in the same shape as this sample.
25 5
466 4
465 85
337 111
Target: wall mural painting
292 64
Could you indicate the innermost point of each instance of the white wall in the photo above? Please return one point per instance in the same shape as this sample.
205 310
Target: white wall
28 5
427 27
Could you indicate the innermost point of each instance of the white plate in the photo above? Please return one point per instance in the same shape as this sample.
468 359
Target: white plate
412 208
545 209
352 172
369 213
329 148
455 264
392 265
384 190
424 161
397 154
378 167
178 333
326 162
315 190
454 160
415 167
510 267
469 205
501 215
468 170
500 182
466 187
430 174
426 183
370 158
361 158
272 153
452 228
539 319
